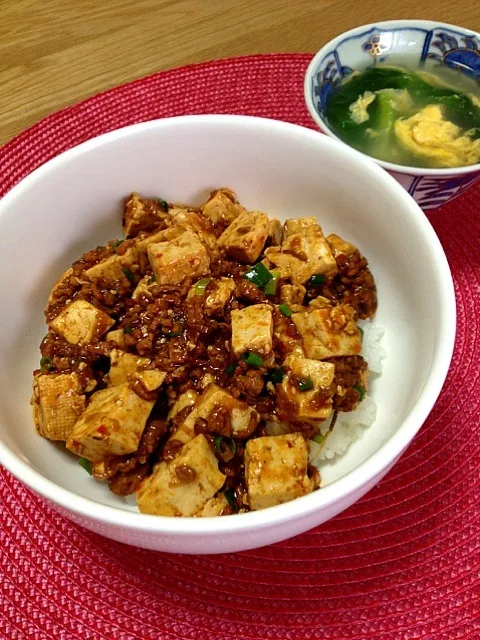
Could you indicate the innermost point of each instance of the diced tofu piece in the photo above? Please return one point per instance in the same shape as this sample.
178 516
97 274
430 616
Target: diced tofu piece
143 288
117 337
320 302
222 207
124 366
58 402
340 246
200 225
151 379
276 470
108 272
252 329
213 507
111 425
275 231
294 405
160 236
245 238
292 293
329 332
243 418
304 250
217 295
80 322
59 284
182 486
174 261
186 399
141 214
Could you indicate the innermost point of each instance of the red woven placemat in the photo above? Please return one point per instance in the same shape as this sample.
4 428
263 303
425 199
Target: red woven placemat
403 563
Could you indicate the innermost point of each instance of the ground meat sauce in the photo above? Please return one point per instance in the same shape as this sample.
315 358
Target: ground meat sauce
173 327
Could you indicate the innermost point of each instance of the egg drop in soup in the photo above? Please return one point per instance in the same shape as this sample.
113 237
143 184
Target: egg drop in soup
414 118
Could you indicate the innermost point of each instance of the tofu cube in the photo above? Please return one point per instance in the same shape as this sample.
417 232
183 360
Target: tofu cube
58 402
282 330
182 486
111 425
222 207
143 288
328 332
124 366
245 238
294 405
276 470
340 246
275 232
243 418
186 399
63 280
218 295
151 379
213 507
80 322
141 214
200 225
181 258
252 329
108 272
292 293
305 251
117 337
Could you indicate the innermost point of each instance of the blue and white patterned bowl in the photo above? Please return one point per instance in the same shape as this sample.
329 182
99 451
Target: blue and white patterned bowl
407 42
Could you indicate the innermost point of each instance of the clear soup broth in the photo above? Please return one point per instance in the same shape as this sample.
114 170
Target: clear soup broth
415 117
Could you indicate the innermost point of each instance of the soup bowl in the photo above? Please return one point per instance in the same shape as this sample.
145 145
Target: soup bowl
412 43
74 202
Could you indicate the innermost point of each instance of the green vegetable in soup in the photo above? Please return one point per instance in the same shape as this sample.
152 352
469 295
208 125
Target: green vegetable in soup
365 107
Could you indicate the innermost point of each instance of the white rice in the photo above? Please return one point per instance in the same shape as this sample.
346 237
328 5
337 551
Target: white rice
350 426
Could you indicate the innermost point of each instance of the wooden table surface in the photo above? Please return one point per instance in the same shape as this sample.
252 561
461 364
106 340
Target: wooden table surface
56 52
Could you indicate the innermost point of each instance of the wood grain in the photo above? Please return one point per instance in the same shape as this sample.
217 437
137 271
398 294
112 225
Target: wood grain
56 52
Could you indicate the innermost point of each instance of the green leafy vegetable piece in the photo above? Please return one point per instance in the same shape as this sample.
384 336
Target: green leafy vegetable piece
305 384
258 274
252 359
86 464
285 310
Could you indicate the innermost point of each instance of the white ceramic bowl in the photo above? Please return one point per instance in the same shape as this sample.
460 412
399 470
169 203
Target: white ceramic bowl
72 203
405 42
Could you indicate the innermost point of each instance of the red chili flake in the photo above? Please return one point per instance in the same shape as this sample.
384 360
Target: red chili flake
102 429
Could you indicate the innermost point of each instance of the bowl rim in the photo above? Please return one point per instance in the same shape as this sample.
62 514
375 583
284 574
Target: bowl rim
322 123
352 482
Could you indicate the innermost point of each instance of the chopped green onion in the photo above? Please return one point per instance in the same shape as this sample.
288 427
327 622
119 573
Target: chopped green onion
226 448
361 332
117 243
230 369
276 375
252 359
305 384
316 280
152 279
319 439
258 274
360 390
128 330
201 286
163 204
271 287
129 275
86 464
230 498
172 334
46 364
285 310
